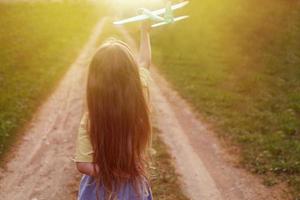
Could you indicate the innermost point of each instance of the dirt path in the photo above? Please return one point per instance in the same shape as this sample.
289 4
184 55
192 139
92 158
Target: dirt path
41 167
205 172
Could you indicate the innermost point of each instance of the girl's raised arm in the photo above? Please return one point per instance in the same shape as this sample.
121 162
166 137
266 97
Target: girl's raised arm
145 46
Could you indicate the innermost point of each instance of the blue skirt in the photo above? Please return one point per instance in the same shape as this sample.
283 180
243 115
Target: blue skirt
88 188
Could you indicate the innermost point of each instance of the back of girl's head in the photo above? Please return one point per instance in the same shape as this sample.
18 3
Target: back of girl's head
119 124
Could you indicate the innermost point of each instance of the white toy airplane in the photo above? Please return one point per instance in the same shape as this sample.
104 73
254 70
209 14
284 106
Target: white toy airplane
168 17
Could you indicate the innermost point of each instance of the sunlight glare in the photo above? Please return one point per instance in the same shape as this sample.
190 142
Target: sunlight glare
124 5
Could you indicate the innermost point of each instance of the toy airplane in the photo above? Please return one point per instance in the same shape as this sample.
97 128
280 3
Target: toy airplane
168 17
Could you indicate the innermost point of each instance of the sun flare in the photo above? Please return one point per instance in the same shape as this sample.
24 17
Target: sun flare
125 5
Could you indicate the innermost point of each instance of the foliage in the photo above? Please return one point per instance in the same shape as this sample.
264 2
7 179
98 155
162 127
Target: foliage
238 63
164 179
38 43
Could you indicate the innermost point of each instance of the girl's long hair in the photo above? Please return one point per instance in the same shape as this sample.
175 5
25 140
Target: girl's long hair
118 122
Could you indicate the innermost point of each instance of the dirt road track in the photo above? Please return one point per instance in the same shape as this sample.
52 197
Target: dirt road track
41 167
206 174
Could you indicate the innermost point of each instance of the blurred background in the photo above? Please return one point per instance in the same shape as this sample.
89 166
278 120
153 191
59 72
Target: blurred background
237 62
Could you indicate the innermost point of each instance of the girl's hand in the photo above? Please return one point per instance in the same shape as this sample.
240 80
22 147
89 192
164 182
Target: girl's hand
146 26
86 168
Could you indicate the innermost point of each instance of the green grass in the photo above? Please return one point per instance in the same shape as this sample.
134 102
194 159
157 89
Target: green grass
237 63
164 179
38 42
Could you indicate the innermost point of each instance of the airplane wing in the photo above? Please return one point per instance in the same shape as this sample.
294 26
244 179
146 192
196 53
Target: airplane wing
159 24
131 19
180 18
164 23
156 12
173 7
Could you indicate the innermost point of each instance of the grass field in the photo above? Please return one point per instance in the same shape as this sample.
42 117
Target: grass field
164 179
38 43
237 63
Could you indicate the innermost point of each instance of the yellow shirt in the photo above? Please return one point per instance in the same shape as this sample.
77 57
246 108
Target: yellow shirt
84 150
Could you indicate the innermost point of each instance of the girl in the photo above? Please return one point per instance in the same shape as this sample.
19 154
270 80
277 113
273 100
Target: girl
114 134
